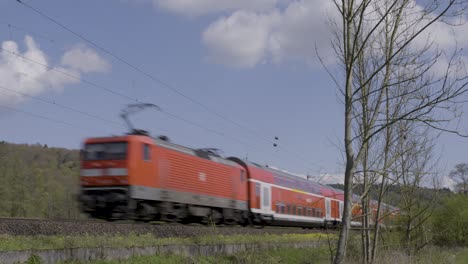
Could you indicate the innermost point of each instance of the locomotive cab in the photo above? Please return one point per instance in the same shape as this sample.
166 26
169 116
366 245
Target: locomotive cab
106 173
104 163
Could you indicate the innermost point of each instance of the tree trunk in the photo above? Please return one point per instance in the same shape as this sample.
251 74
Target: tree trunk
349 173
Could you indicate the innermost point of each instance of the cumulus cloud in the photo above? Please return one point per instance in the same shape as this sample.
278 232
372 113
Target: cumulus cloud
248 33
204 7
84 60
241 39
247 38
28 77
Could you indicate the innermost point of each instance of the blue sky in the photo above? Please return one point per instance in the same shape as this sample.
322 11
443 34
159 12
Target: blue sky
250 61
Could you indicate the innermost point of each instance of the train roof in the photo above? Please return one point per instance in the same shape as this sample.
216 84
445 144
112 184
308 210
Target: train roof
289 180
324 190
209 154
206 153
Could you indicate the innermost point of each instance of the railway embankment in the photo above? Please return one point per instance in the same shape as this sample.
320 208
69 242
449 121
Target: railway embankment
56 241
72 227
109 253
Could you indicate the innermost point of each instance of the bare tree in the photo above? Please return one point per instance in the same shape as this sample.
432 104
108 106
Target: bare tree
460 176
415 167
383 35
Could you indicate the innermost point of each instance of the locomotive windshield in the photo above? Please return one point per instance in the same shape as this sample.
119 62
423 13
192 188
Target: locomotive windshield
105 151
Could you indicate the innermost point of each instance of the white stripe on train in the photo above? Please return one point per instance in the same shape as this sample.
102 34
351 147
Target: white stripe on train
104 172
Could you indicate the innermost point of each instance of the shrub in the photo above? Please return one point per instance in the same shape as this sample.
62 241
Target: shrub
450 224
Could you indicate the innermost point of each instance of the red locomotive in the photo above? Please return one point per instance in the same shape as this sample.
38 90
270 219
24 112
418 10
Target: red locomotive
143 178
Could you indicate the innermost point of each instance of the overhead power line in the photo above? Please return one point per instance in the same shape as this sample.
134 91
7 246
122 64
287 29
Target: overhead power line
73 76
171 115
44 117
145 73
114 123
17 28
158 80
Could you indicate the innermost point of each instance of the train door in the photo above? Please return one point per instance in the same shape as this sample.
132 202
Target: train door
327 208
266 198
144 164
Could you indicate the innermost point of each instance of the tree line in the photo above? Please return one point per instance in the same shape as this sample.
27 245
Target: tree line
38 182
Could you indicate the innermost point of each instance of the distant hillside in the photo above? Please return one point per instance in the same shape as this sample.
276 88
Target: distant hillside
37 181
393 195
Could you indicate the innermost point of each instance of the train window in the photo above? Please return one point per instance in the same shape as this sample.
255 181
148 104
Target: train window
282 209
278 208
146 152
105 151
299 210
257 189
314 212
288 209
319 212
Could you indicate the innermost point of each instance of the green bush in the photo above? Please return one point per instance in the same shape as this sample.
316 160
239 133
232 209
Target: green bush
34 259
450 223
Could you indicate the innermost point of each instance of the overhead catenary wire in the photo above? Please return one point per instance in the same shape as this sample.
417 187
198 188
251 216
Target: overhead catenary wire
45 118
141 71
114 123
82 80
159 80
12 27
70 75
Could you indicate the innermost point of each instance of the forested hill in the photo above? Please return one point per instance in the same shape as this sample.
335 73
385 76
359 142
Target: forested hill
393 194
38 181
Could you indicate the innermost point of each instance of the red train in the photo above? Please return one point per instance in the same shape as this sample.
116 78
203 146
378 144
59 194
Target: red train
142 178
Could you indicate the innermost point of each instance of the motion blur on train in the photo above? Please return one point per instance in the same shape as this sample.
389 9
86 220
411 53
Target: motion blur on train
139 177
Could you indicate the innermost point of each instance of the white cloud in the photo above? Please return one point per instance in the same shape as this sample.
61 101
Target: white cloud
255 32
241 39
204 7
84 60
247 38
28 77
446 34
304 26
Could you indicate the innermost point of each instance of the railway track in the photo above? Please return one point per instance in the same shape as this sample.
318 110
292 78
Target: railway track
47 227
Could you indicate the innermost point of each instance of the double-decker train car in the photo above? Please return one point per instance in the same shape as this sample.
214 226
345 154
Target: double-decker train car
144 178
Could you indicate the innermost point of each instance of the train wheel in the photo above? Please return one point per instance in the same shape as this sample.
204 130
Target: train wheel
216 217
247 222
145 212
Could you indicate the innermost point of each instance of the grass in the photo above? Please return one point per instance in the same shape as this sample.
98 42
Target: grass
320 255
462 256
317 255
11 243
286 255
393 252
